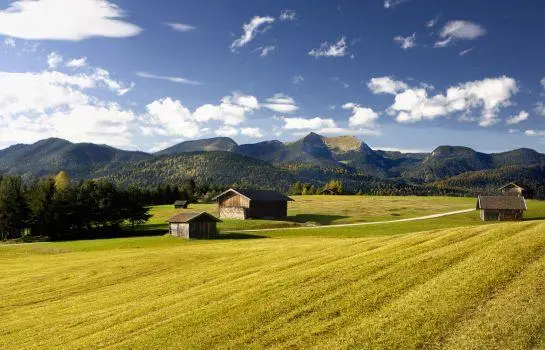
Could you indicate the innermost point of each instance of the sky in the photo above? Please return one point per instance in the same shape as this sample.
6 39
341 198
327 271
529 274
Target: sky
405 75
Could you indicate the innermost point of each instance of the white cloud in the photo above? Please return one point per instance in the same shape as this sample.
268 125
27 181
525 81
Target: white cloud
531 132
65 20
226 131
102 75
543 82
180 27
55 104
393 3
490 95
386 85
288 15
298 79
522 116
9 42
316 123
178 80
459 30
338 49
406 42
266 50
232 110
362 117
251 29
251 132
168 117
281 103
465 52
77 62
53 60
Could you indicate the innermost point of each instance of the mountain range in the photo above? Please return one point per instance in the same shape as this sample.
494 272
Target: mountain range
313 158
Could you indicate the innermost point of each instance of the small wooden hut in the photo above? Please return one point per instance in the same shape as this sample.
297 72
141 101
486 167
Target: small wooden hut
180 204
501 208
193 225
245 204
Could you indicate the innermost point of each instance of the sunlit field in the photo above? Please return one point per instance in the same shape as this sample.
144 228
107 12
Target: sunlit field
479 287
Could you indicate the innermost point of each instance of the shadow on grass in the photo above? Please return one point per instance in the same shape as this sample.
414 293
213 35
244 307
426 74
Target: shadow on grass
317 218
237 235
535 218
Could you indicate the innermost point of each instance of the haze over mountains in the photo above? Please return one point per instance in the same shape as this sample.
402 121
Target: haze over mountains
313 157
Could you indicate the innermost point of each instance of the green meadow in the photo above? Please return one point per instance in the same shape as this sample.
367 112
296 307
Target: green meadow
450 282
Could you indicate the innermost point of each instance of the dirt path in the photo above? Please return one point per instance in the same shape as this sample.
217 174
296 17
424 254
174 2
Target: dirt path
432 216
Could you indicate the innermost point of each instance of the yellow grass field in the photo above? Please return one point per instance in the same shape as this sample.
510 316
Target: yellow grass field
478 287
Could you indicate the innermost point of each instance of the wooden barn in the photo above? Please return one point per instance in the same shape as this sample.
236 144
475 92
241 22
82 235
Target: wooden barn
512 189
247 204
180 204
193 225
501 208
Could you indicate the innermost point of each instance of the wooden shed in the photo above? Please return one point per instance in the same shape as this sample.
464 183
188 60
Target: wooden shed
245 204
193 225
512 189
180 204
501 208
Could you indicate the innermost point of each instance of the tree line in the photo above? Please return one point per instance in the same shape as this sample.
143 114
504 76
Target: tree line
60 209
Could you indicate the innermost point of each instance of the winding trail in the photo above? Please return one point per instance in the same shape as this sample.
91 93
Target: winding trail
432 216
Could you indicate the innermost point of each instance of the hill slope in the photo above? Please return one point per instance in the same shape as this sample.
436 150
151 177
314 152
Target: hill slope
427 289
225 144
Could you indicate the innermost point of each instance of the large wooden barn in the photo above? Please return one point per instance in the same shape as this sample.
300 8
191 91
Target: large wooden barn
246 204
501 208
193 225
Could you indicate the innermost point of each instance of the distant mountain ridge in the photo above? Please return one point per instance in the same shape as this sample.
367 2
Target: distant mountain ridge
333 155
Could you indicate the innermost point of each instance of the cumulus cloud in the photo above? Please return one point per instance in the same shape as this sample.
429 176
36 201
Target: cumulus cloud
386 85
227 131
459 30
540 108
316 123
250 30
77 62
53 60
281 103
532 132
251 132
231 110
362 117
65 20
338 49
406 42
489 95
522 116
180 27
168 117
432 22
172 79
288 15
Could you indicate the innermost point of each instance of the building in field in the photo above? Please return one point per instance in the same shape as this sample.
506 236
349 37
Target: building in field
193 225
252 204
502 208
512 189
181 204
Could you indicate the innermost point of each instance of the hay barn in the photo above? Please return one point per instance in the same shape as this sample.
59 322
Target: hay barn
180 204
247 204
512 189
193 225
501 208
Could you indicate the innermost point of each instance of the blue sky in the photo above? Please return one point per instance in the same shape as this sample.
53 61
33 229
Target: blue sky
407 75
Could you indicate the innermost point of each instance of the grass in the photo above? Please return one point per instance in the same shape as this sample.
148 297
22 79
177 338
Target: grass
465 287
329 210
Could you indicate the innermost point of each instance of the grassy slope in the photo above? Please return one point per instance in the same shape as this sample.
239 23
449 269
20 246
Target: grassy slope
456 288
327 210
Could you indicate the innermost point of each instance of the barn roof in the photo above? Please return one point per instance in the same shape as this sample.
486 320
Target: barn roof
190 217
257 195
501 203
510 185
180 202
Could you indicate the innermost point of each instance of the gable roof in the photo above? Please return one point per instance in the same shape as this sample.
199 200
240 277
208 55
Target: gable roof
501 203
257 195
190 217
511 185
180 202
